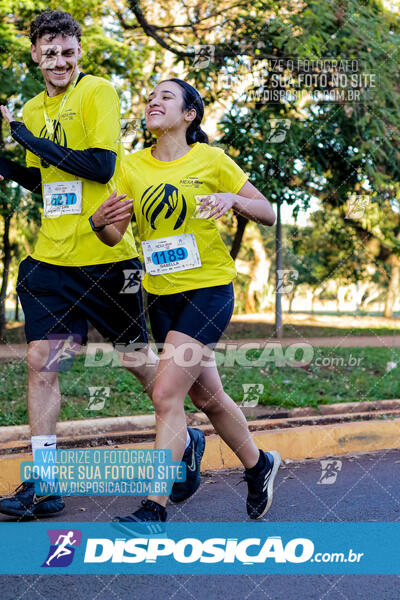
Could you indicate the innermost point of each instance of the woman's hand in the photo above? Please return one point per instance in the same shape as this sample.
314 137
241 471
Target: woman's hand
6 114
113 210
218 204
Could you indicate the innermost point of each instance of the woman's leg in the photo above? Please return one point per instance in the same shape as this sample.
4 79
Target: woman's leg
261 467
207 394
173 382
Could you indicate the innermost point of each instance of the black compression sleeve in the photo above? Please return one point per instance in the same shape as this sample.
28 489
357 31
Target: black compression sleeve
95 164
28 177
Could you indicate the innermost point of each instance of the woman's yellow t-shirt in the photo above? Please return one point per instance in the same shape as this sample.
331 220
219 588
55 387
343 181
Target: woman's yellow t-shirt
164 205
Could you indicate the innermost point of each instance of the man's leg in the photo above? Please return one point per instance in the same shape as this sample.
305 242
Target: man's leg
43 407
142 363
43 390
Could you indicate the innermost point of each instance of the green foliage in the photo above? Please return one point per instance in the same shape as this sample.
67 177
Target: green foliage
340 380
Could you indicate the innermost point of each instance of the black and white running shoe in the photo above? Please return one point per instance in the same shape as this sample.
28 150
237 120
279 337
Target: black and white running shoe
182 490
261 486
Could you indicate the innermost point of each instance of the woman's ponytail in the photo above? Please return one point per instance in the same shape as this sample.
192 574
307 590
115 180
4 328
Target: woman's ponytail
196 134
192 99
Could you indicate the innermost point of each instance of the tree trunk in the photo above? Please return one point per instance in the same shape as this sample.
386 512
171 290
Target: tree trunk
393 289
16 313
4 283
259 269
237 240
278 271
291 298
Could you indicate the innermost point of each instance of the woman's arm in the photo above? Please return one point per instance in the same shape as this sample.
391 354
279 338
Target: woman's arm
114 217
249 202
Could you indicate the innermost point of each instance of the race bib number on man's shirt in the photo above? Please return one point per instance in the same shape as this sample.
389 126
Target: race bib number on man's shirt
171 254
62 198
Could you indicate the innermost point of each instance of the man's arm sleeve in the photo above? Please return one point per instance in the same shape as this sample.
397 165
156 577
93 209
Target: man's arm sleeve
28 177
96 164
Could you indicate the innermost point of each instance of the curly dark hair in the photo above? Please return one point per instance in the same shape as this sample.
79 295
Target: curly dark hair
54 22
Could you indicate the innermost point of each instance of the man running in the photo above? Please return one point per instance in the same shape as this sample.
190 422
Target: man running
71 133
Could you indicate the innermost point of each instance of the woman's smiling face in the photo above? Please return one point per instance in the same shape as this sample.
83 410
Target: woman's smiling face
164 109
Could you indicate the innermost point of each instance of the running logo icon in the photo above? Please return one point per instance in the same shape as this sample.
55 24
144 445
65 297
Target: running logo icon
63 543
203 56
278 130
330 470
62 351
251 393
155 198
133 277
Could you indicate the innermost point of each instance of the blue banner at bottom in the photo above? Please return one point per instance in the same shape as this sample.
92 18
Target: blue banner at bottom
200 548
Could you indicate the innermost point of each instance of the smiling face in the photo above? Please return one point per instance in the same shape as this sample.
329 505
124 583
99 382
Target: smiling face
57 58
165 112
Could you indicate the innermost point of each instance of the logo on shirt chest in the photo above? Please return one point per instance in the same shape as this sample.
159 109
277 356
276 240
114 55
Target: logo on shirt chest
191 182
60 137
68 115
158 197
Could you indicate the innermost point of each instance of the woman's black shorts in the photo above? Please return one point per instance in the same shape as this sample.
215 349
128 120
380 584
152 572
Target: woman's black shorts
202 314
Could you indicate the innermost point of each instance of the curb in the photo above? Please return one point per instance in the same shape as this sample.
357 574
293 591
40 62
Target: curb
138 423
308 441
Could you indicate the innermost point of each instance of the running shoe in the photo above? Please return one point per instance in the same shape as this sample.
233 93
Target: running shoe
261 486
182 490
147 520
26 504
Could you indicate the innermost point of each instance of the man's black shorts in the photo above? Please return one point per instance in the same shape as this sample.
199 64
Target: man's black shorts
61 300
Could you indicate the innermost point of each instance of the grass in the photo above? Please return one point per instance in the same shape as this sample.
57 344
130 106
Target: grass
348 375
241 330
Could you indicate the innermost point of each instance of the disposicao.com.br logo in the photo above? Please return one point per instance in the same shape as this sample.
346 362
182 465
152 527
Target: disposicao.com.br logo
247 551
202 547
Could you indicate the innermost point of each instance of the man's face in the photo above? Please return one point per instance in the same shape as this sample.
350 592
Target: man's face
57 58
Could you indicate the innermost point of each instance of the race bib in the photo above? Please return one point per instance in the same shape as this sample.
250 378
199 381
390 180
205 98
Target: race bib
171 254
62 198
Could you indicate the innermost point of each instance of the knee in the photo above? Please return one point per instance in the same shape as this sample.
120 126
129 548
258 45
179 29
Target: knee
37 358
208 403
165 400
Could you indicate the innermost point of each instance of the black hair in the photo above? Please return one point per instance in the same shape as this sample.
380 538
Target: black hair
54 22
192 99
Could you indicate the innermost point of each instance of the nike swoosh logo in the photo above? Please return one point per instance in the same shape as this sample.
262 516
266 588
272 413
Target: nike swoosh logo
52 444
192 466
39 499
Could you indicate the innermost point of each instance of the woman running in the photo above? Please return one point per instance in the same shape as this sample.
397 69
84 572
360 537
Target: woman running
181 186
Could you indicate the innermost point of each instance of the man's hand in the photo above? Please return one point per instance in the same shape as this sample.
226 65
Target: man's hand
6 114
112 210
8 117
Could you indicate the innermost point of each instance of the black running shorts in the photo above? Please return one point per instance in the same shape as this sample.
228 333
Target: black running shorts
61 300
202 314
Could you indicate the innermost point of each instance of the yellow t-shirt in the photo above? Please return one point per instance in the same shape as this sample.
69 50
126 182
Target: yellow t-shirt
89 119
164 204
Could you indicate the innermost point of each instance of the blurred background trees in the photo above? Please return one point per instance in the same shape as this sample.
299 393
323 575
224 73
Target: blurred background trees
300 149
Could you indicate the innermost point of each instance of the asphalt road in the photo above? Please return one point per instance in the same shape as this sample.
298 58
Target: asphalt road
366 489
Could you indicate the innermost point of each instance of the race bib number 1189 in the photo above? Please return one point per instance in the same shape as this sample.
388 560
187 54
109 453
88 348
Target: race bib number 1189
171 254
